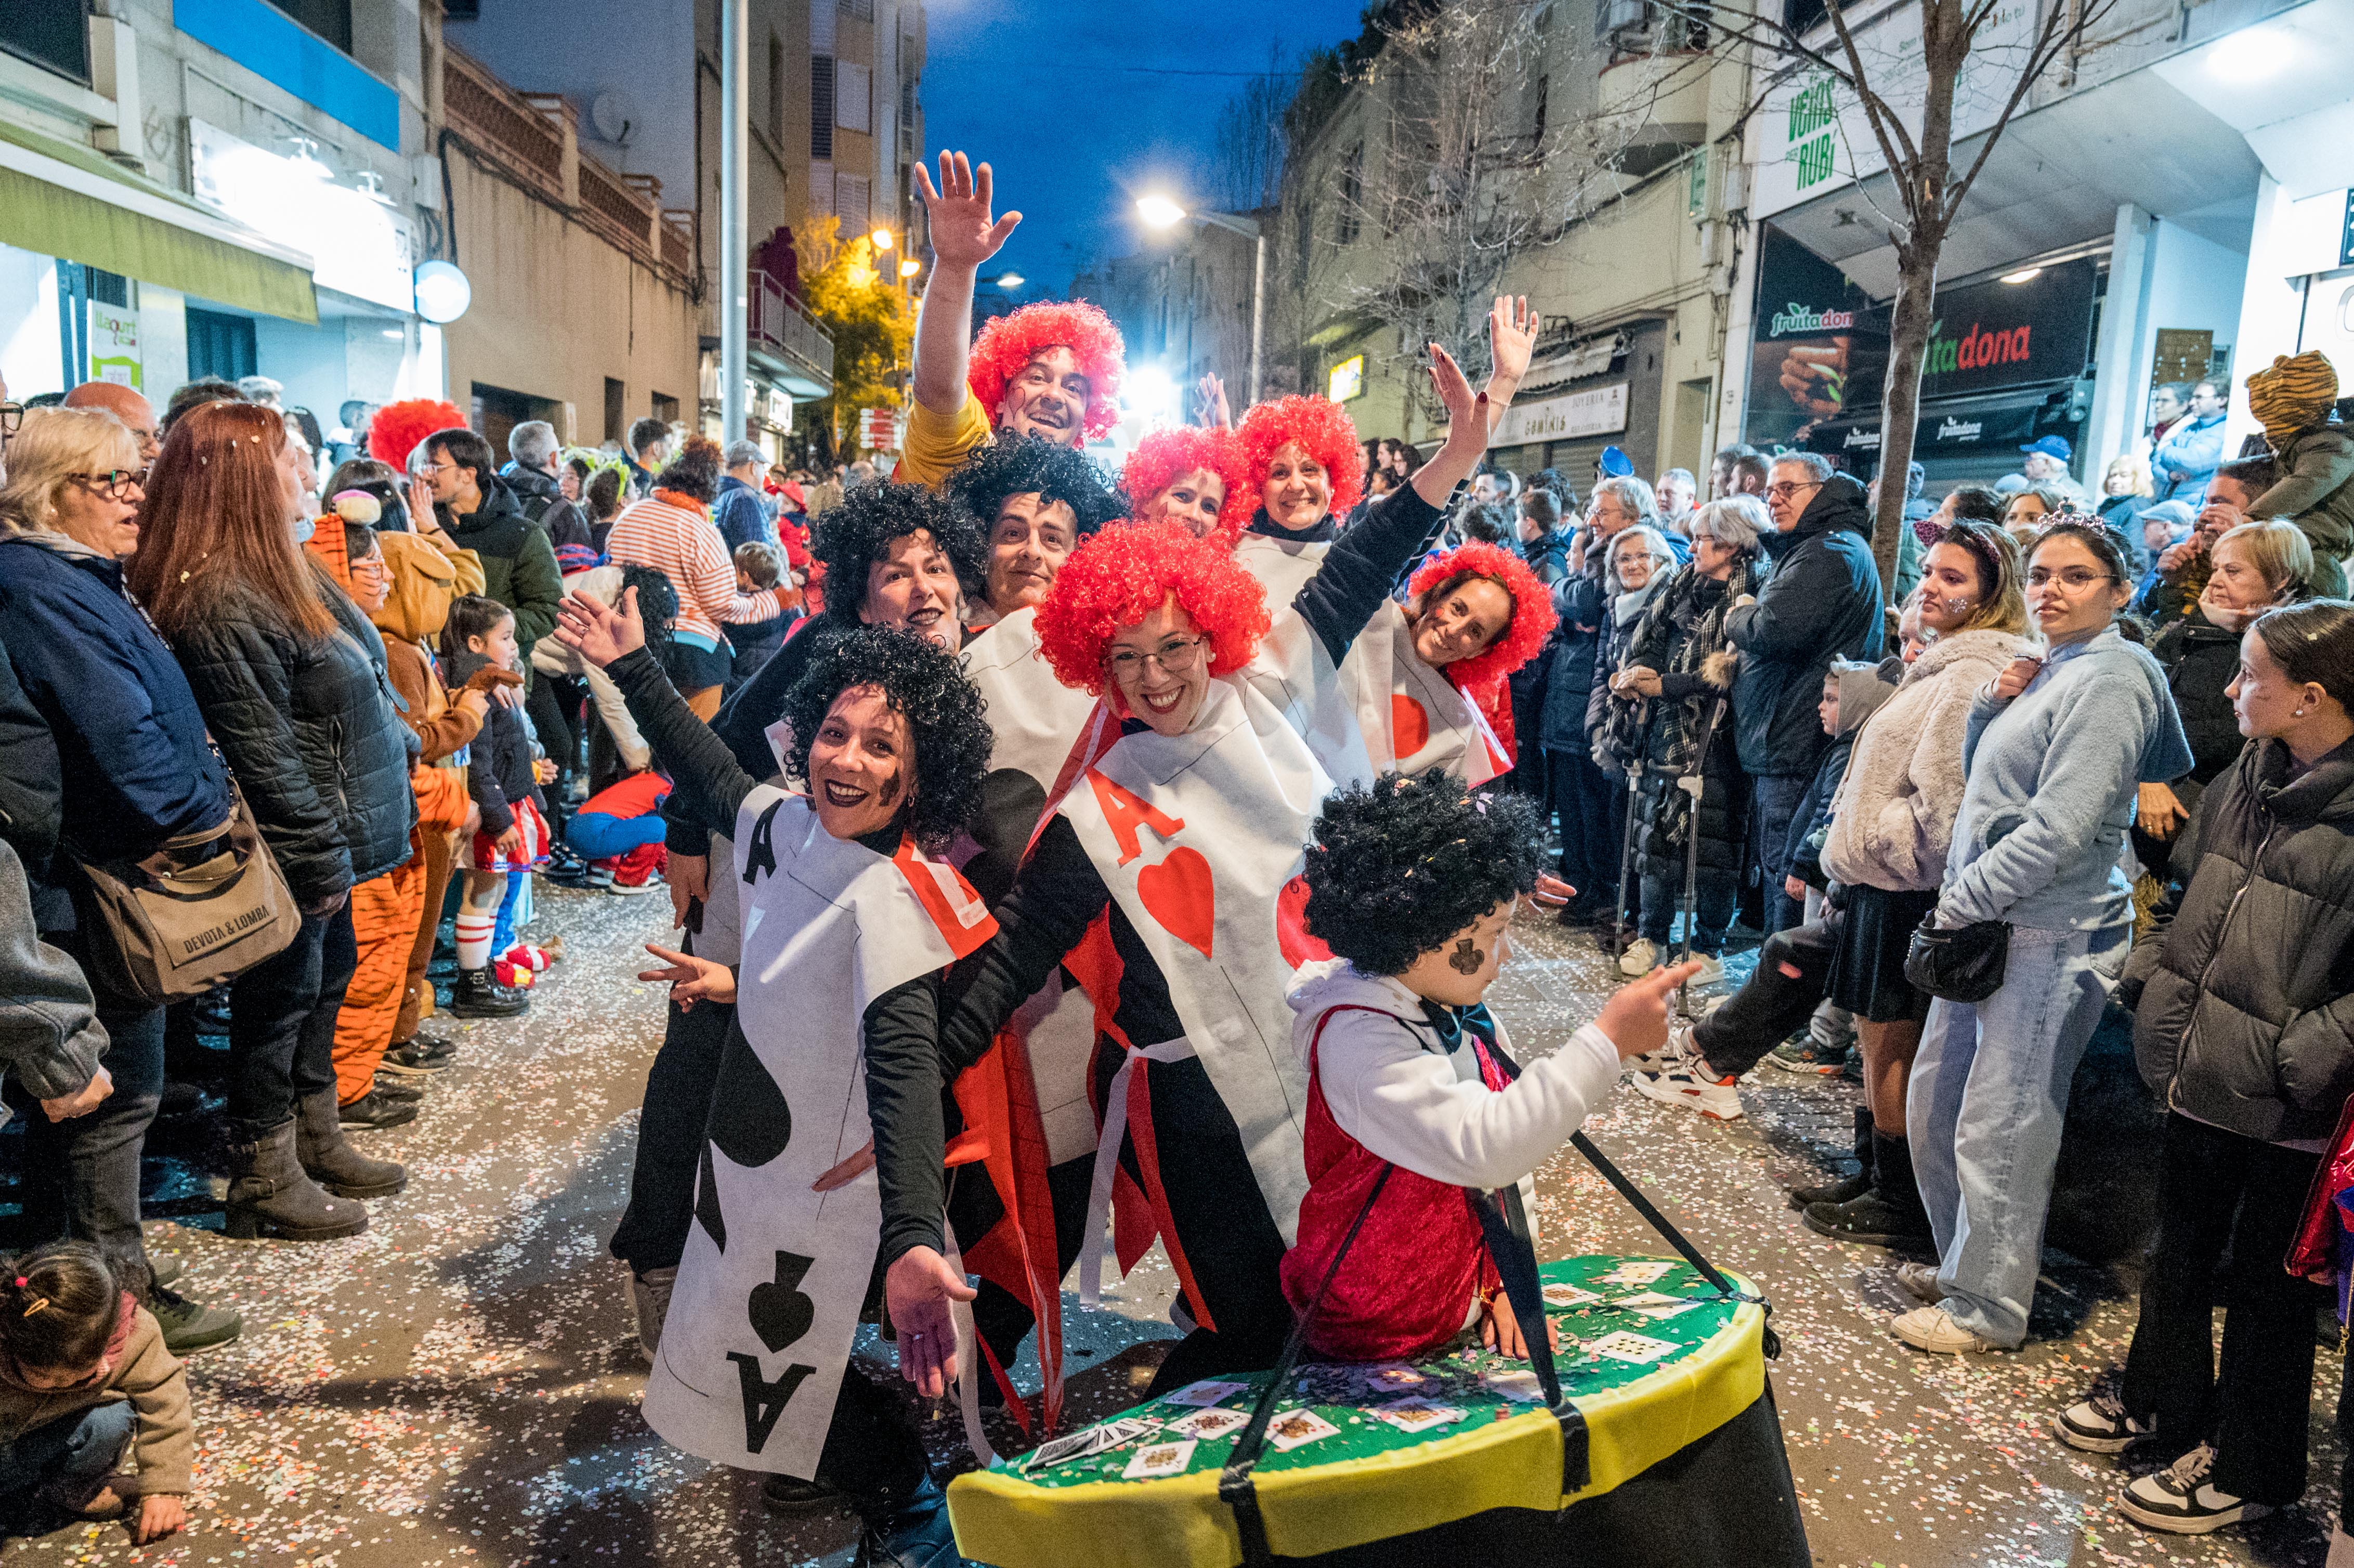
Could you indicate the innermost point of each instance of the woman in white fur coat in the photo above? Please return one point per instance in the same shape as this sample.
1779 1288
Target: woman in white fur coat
1892 824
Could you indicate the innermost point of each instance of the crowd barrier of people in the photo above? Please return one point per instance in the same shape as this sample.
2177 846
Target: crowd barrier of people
1062 797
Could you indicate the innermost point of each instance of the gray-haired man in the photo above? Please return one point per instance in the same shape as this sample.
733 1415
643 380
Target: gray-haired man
531 473
742 511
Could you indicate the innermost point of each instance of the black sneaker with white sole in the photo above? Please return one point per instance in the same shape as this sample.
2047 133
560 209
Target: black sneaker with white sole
2099 1422
2179 1499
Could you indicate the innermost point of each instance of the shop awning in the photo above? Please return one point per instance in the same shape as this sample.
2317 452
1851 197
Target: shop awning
59 199
1952 427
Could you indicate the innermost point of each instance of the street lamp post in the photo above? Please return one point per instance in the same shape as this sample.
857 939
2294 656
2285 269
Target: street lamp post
1160 212
735 258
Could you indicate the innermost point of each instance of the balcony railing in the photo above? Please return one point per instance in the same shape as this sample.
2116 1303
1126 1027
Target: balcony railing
783 325
533 138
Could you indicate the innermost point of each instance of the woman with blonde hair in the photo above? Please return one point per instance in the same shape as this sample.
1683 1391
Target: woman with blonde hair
291 680
2126 489
2251 568
129 734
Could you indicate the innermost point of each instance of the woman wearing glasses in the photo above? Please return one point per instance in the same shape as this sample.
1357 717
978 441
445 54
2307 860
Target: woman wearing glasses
131 738
1157 879
2056 749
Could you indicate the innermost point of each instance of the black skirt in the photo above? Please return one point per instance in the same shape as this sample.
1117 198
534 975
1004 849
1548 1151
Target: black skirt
693 668
1867 978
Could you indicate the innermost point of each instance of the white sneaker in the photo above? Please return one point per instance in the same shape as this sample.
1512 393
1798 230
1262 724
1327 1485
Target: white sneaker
1920 1280
1667 1057
2180 1500
1641 956
2099 1422
1682 1085
1711 970
1933 1328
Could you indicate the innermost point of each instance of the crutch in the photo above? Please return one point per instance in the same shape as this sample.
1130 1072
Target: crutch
1617 944
1693 784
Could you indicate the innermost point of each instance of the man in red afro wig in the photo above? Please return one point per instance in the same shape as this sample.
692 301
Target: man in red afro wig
397 428
1191 477
1047 370
1301 454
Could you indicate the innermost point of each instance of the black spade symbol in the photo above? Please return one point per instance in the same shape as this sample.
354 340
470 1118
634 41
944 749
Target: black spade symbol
706 1203
750 1122
780 1312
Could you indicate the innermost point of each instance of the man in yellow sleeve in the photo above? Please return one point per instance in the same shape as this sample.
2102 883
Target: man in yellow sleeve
1047 370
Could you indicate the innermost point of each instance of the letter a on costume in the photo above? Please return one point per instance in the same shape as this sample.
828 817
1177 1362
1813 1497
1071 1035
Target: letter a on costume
1123 811
764 1401
762 855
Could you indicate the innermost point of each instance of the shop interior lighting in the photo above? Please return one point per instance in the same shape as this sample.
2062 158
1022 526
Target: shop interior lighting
2022 275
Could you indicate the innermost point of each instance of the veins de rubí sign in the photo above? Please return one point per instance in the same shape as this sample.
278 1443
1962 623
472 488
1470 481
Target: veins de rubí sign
1820 355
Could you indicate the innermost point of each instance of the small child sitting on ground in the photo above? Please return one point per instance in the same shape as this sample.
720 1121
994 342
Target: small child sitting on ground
84 1370
1411 883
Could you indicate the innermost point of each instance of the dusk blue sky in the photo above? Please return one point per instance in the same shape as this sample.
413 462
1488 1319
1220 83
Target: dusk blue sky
1081 107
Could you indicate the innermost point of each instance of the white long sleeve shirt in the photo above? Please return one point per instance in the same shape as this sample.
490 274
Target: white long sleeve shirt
1392 1086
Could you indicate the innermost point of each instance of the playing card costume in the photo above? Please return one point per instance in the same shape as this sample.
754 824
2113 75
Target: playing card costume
842 942
1156 880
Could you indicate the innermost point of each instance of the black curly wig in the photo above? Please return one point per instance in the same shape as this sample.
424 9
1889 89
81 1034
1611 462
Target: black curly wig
1400 866
924 683
852 537
1029 463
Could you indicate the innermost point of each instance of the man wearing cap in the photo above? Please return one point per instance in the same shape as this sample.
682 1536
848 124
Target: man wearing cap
741 513
2047 462
1046 370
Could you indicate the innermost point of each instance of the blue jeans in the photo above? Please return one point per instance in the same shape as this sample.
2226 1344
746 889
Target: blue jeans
1776 802
599 835
1989 1094
71 1451
1714 894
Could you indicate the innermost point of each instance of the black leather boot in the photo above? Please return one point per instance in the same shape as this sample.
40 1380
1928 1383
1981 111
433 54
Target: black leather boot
1890 1214
330 1159
270 1194
1847 1189
478 994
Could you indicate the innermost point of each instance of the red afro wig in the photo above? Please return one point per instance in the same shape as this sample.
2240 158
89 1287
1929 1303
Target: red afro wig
1533 618
1123 573
397 428
1008 342
1167 456
1317 423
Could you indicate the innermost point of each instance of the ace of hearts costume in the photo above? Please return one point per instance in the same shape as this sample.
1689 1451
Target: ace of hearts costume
768 1293
1408 717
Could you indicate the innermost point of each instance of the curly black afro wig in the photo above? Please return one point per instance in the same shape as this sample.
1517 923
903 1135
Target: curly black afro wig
924 681
1401 865
1029 463
852 537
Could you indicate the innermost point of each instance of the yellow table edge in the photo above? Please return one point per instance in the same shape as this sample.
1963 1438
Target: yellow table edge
1006 1523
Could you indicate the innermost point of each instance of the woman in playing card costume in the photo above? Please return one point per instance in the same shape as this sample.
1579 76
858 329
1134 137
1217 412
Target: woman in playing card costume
1411 883
1187 475
848 922
1156 878
1302 457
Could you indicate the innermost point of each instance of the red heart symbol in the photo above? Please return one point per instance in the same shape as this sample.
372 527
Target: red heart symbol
1409 727
1180 895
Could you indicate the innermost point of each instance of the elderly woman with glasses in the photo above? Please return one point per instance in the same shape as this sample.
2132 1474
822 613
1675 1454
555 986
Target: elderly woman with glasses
129 734
1173 841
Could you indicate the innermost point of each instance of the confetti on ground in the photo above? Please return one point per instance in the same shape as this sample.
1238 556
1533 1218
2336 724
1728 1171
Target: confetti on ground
460 1384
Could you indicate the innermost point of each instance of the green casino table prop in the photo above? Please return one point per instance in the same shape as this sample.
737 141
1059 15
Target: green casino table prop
1437 1459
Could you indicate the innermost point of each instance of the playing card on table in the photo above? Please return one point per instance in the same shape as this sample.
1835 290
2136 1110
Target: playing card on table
1094 1440
1390 1374
1655 1306
1415 1413
1293 1428
1203 1392
1517 1385
1567 1296
1623 1346
1156 1459
1636 1273
1206 1424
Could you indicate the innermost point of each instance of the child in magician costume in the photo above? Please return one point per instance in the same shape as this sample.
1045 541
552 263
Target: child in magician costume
1406 679
1180 832
1412 1095
847 922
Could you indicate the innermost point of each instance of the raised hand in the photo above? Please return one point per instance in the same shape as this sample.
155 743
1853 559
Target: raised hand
1217 413
1635 1018
1512 330
916 1291
957 212
598 632
1455 395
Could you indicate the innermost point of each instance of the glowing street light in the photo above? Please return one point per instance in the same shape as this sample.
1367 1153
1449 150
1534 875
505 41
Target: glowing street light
880 239
1159 212
1010 281
909 267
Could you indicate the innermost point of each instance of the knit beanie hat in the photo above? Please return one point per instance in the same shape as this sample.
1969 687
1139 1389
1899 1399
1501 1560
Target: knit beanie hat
2294 394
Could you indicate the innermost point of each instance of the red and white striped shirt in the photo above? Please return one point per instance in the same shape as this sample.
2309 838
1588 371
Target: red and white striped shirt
684 546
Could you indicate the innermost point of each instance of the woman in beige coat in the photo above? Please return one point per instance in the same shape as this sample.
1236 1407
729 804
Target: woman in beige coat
1892 822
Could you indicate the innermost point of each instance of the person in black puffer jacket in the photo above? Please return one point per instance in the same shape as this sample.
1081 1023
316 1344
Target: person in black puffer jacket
1821 602
2243 1026
290 679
